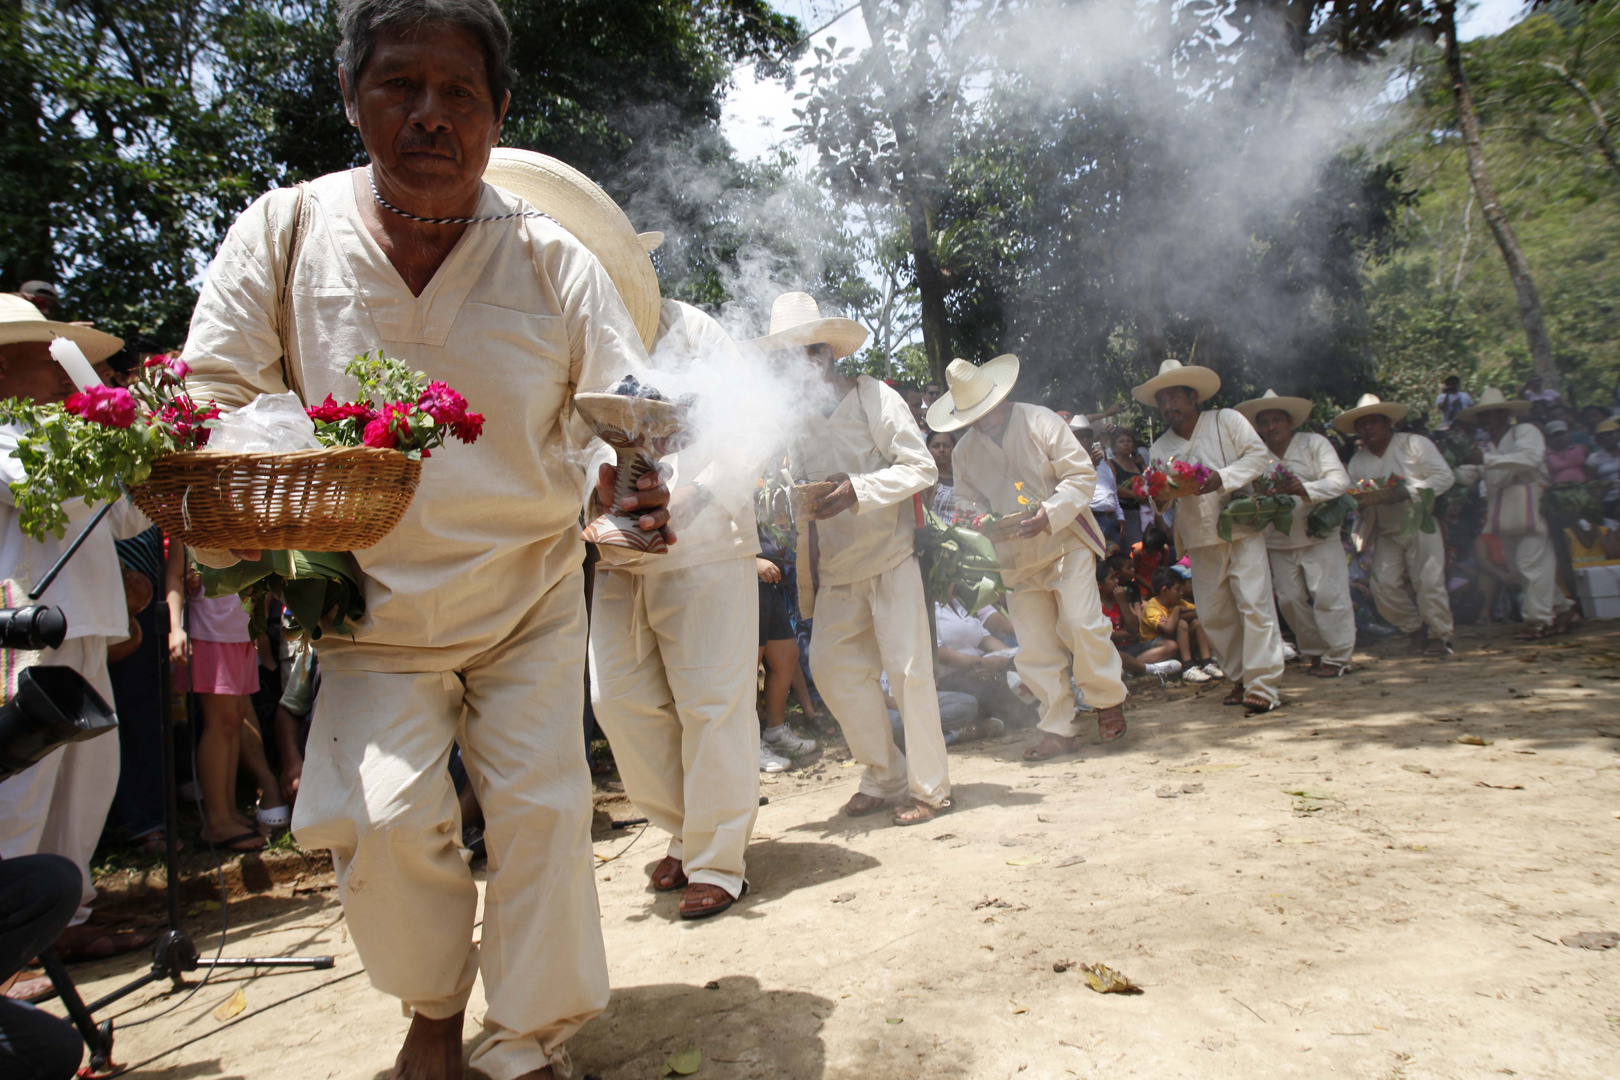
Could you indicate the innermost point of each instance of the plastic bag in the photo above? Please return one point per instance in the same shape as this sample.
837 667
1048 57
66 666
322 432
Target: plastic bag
269 424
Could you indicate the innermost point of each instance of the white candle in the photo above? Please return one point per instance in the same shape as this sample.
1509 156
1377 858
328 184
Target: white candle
72 358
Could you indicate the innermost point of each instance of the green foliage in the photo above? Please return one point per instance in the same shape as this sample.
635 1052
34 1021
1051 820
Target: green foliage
319 589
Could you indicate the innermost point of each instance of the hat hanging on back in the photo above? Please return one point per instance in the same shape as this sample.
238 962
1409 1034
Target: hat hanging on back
1369 405
650 241
797 322
1202 381
40 288
21 321
1298 408
578 204
972 391
1492 398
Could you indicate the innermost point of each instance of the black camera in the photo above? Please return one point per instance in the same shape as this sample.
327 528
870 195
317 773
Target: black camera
35 627
53 706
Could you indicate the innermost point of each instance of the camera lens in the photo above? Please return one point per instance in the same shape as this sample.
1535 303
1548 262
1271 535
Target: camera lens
37 626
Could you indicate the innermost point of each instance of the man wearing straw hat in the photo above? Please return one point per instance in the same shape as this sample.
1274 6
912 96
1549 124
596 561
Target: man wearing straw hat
1514 468
870 610
474 630
1310 574
60 804
1022 462
1408 575
1232 579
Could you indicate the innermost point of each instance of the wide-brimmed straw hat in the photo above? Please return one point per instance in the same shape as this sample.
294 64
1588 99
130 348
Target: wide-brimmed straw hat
796 322
1611 424
1202 381
579 204
1492 398
650 241
972 391
1369 405
1298 408
20 320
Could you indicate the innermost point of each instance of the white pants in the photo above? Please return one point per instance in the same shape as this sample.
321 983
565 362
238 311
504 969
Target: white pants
861 630
1541 600
59 805
1420 561
674 657
376 792
1062 633
1232 591
1313 594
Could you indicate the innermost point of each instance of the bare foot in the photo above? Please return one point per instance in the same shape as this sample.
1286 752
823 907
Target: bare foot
860 804
432 1050
1052 746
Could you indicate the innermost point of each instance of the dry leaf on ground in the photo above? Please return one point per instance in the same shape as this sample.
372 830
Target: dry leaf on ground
1105 980
1473 740
683 1062
1592 939
233 1005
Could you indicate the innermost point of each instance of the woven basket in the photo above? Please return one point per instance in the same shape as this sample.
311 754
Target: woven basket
339 499
1380 496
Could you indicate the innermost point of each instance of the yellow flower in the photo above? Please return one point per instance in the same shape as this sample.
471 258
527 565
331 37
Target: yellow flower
1018 485
1023 500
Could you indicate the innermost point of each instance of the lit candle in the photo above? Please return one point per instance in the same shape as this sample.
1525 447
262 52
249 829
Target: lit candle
72 359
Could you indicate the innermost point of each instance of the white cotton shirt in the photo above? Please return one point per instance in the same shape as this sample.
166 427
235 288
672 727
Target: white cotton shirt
872 436
518 317
1223 440
959 629
1412 456
1313 460
90 588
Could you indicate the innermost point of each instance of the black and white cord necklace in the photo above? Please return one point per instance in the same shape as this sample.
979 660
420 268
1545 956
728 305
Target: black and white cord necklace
386 205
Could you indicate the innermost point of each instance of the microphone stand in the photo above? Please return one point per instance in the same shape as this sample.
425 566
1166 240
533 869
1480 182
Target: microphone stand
173 954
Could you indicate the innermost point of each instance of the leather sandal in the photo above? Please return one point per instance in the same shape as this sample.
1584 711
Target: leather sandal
710 909
668 875
1254 704
923 813
858 808
1329 671
1236 696
1106 719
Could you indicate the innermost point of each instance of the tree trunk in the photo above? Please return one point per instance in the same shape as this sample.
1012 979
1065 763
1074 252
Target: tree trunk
910 186
1524 283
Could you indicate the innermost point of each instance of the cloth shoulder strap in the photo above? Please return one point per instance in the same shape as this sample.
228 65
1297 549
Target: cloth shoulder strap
291 225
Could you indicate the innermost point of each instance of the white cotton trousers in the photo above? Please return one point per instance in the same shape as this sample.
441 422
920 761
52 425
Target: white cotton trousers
1063 635
59 805
861 630
1541 600
674 659
376 791
1232 591
1402 568
1313 594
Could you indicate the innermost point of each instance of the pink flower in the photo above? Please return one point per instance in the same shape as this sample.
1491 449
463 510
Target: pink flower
387 430
175 366
469 427
443 404
330 412
110 406
186 420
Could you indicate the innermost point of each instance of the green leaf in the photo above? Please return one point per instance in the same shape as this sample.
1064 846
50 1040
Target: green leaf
683 1062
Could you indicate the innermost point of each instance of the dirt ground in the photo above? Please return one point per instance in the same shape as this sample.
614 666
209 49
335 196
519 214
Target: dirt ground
1340 887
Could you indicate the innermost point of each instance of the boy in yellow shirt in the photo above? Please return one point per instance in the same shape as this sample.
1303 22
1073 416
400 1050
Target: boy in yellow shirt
1169 615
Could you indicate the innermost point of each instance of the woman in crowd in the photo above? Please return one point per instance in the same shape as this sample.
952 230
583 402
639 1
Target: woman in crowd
942 496
1126 467
1566 460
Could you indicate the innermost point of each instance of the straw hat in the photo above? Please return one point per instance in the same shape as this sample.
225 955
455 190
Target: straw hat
1369 405
20 320
972 391
796 322
579 204
1202 381
1492 398
1296 407
1611 424
650 241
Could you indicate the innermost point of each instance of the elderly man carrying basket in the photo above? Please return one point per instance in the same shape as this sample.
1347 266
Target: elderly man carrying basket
475 626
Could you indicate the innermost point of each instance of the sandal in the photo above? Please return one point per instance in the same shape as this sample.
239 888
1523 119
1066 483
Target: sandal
1254 704
31 989
1236 696
1053 746
84 942
1106 719
1329 671
668 875
248 843
1564 621
1436 647
918 812
860 804
273 818
705 911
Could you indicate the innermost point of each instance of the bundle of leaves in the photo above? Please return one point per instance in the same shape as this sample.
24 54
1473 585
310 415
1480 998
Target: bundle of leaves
316 587
100 441
1565 504
395 409
961 561
1419 516
1327 519
1256 512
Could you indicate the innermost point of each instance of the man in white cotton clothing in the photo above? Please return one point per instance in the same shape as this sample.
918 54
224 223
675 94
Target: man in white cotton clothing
870 614
674 647
1021 459
1309 573
1514 468
59 805
474 631
1408 575
1232 579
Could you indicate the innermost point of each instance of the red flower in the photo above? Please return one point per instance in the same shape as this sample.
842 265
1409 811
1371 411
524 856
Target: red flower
386 430
110 406
469 427
330 412
186 420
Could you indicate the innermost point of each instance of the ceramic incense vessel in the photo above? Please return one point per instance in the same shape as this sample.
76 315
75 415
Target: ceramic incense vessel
641 430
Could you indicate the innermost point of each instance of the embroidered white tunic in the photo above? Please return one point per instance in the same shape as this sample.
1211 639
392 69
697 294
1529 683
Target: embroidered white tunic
518 317
1226 442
